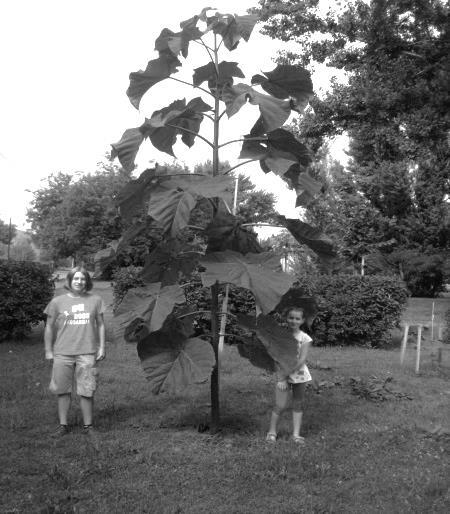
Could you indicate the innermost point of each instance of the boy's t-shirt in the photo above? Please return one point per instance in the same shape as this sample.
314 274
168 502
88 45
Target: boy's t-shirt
75 322
302 373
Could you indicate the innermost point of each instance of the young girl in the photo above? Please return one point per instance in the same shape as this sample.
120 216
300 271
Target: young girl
75 339
295 382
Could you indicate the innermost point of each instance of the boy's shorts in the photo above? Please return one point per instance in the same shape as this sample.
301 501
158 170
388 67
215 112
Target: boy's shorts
64 368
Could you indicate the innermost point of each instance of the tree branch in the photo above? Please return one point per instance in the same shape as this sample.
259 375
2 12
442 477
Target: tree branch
191 132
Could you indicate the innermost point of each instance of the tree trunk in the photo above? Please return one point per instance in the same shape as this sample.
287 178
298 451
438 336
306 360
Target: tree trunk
215 405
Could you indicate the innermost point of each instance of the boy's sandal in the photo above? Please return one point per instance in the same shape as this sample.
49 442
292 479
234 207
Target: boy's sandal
271 438
298 439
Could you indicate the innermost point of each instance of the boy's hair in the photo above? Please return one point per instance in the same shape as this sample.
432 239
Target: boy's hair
294 308
70 275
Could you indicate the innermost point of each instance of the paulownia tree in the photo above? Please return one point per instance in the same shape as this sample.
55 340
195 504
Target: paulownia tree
155 316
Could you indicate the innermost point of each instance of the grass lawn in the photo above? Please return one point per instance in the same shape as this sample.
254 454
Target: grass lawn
360 456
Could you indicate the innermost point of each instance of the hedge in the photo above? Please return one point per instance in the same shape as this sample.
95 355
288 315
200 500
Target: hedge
26 288
352 310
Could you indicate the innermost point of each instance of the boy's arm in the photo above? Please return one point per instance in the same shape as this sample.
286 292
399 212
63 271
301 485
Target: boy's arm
101 352
48 338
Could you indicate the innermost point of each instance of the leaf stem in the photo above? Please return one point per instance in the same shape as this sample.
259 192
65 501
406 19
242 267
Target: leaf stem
261 225
245 139
191 313
240 164
191 132
192 85
195 227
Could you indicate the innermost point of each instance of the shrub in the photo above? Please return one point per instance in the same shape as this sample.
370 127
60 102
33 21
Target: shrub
27 287
355 310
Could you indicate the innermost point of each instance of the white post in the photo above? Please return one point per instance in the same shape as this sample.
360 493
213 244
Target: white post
223 319
419 339
432 322
363 263
404 341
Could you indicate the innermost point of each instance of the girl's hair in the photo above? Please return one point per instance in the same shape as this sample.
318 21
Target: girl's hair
294 308
70 275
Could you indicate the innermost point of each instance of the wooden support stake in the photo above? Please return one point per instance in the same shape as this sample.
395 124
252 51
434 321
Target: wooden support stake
404 341
419 340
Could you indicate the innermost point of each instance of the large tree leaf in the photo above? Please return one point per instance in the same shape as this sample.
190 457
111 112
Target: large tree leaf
177 43
225 232
232 28
174 199
279 342
227 70
178 118
250 347
168 262
172 362
145 309
285 81
281 143
310 236
274 112
131 200
258 272
157 69
127 148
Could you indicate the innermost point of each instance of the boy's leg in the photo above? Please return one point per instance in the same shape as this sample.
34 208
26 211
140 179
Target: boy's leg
87 407
61 384
281 401
298 395
86 374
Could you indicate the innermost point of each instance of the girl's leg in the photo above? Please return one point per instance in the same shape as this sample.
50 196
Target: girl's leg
298 396
63 407
281 401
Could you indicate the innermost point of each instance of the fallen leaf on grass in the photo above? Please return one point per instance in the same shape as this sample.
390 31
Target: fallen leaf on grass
375 389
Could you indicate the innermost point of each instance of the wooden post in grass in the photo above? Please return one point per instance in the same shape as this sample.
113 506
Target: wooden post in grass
404 341
419 340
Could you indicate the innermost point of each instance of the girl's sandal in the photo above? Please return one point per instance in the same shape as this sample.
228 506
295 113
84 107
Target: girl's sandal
298 439
271 438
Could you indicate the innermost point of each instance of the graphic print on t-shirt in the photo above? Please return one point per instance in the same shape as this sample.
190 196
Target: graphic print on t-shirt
79 316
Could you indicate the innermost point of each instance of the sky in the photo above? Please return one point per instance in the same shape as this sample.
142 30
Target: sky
65 68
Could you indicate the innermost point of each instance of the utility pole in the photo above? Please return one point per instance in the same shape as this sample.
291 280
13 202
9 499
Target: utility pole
9 237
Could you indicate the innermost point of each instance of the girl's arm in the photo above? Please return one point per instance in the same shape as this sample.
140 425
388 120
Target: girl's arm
304 353
101 352
281 378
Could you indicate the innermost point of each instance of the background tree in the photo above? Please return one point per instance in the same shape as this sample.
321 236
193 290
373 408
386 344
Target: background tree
74 216
394 109
5 234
